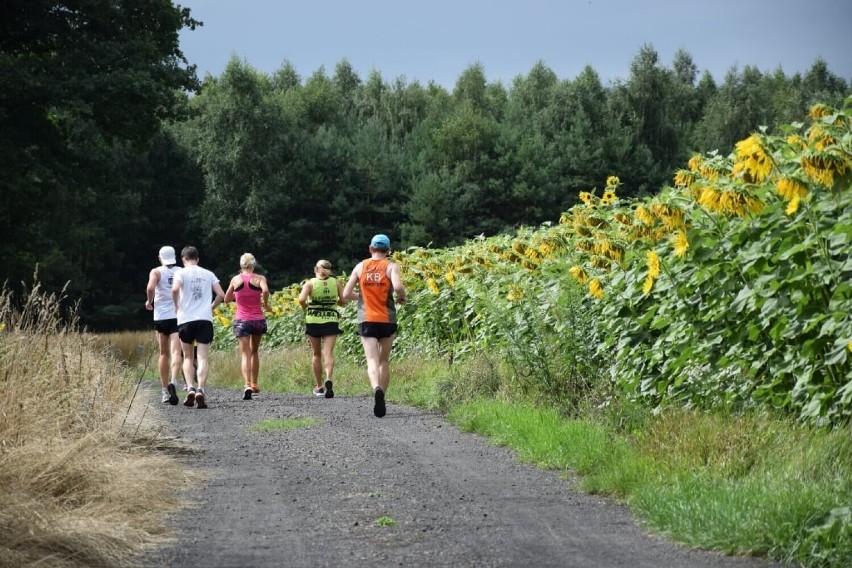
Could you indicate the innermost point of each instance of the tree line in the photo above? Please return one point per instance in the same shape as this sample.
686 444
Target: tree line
110 146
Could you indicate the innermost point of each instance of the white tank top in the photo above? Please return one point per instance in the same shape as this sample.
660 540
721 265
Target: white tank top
164 306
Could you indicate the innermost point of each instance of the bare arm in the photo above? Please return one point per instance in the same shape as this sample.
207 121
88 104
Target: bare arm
396 281
153 281
349 290
307 288
264 292
232 286
341 300
176 290
220 295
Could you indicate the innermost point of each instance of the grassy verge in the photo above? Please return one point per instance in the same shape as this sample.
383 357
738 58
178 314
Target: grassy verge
736 484
85 481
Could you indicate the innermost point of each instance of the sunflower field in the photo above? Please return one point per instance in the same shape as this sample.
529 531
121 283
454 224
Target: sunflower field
732 288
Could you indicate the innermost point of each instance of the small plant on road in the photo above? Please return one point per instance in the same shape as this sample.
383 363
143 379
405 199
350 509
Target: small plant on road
284 424
385 522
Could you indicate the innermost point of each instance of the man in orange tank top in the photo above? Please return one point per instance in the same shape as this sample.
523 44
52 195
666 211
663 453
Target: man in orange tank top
377 278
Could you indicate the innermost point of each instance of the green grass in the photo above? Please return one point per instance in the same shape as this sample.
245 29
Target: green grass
736 484
288 369
284 424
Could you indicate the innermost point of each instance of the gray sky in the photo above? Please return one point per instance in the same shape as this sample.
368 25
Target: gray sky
436 40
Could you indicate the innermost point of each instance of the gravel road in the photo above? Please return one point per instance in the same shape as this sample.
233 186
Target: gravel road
405 490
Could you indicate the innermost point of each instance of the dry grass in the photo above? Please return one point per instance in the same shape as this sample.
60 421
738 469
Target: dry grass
132 347
86 481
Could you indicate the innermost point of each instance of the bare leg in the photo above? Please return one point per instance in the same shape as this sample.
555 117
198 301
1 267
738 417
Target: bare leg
174 347
245 359
385 345
316 359
164 344
371 351
188 364
328 354
203 363
254 366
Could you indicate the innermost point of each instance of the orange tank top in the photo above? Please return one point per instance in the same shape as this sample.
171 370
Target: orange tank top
376 301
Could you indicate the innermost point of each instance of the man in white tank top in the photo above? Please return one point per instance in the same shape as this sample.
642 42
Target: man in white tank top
159 291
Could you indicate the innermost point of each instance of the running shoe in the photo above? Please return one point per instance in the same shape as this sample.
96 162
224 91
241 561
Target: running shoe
172 392
190 397
255 389
319 391
166 397
329 391
199 400
379 408
247 393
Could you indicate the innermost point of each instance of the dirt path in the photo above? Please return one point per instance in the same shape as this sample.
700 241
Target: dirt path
313 496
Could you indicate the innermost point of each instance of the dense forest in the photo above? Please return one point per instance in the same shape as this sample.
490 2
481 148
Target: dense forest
111 146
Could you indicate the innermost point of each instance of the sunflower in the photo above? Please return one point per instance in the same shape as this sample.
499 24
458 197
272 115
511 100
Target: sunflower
684 178
645 216
648 285
752 160
694 163
680 243
595 289
709 199
515 294
433 286
653 264
820 110
579 274
792 206
788 188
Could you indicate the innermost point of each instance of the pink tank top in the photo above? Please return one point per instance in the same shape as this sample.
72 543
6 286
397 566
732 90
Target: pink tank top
248 299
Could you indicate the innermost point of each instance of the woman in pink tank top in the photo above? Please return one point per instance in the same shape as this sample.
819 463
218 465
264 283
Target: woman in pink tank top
251 293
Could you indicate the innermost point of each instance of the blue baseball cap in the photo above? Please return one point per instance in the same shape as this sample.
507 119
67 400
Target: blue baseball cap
380 242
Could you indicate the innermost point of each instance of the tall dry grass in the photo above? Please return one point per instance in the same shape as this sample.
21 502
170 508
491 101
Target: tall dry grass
134 348
87 481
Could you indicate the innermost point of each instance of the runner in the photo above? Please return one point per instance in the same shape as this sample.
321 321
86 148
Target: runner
319 296
158 291
251 293
377 279
192 294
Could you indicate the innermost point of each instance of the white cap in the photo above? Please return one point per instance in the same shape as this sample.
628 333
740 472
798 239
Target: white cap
167 255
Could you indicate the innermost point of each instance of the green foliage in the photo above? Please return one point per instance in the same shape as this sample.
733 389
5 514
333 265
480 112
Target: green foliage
757 313
85 88
729 292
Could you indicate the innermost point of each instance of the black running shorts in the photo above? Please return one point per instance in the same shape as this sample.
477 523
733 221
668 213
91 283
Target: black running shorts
166 327
198 330
322 329
377 330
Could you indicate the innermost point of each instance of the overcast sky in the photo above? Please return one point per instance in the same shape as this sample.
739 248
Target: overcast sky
436 40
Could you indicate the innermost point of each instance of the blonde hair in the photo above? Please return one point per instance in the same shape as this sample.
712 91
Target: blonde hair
247 260
324 268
